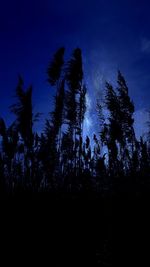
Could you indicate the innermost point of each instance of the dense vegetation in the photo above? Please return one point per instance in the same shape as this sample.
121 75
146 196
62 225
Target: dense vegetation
59 159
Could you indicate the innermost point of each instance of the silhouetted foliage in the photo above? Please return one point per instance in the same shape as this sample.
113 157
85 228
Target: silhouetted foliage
60 159
55 67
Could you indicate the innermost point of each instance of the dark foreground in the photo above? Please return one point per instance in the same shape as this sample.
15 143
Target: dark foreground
75 231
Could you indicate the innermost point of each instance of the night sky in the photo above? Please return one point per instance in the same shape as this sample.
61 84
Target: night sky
112 34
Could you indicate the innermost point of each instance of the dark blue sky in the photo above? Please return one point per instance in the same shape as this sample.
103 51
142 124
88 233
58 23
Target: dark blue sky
112 34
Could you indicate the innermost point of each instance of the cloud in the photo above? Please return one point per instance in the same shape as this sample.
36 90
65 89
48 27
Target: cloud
145 45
